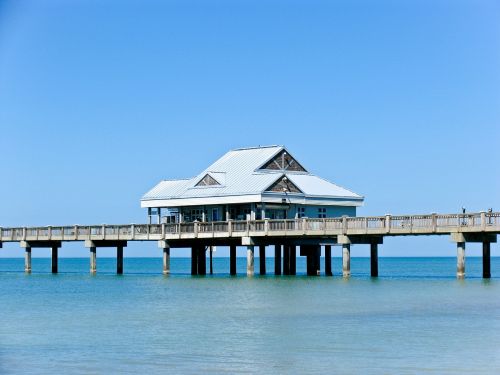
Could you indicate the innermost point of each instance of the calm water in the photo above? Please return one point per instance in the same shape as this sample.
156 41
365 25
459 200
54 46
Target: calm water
415 318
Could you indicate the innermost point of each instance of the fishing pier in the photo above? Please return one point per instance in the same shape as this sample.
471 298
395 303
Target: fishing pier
289 238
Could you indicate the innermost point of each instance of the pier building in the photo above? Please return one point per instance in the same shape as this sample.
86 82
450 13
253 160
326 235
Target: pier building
255 183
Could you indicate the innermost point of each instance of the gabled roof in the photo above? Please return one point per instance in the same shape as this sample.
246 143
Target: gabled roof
239 172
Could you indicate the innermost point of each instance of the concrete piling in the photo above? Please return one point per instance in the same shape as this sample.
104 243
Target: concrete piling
486 260
232 260
286 260
166 260
250 260
202 260
346 260
293 260
119 260
262 259
54 259
277 259
328 260
93 260
460 260
194 261
374 259
27 260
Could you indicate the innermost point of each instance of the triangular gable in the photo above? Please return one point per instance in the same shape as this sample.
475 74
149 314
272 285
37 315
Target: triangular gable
283 161
283 185
208 180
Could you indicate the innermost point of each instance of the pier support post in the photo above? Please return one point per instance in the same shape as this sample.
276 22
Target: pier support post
119 260
250 260
486 260
286 260
262 259
328 260
27 260
277 259
211 260
313 255
54 260
460 260
374 259
232 260
194 261
293 260
93 260
346 260
166 260
202 260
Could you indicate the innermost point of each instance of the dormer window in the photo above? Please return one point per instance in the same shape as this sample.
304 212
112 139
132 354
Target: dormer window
284 185
208 181
285 162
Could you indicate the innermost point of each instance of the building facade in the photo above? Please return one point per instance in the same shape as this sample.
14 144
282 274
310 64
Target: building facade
250 184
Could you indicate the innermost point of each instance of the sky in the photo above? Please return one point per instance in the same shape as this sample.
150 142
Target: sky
99 100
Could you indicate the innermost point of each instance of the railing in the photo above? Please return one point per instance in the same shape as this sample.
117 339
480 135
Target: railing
383 225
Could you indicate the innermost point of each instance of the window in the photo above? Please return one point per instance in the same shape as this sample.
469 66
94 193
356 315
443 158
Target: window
207 181
301 212
322 213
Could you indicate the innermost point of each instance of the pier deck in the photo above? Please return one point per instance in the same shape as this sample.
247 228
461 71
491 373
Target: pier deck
308 233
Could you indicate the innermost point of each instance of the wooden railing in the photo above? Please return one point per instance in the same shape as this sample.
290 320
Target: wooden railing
378 225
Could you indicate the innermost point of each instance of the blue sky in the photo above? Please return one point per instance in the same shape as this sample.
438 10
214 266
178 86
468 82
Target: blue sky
99 100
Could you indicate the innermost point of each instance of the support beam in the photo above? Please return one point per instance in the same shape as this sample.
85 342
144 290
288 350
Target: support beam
460 260
374 259
54 262
194 261
166 260
250 260
293 260
232 260
277 259
27 260
93 260
346 260
486 260
286 260
328 260
262 259
119 260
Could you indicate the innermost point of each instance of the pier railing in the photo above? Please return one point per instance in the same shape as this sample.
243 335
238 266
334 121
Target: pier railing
375 225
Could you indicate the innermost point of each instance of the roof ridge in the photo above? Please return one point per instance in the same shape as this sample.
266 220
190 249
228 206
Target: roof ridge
256 147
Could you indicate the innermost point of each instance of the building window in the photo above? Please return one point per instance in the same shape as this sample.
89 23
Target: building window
322 213
301 212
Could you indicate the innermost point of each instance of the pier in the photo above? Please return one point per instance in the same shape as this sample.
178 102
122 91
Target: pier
309 235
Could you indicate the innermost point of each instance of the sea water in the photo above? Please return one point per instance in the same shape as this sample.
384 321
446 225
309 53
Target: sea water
415 318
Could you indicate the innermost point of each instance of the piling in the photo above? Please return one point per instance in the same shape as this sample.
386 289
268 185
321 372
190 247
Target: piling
374 259
277 259
119 260
486 260
93 260
166 260
346 260
262 259
328 260
232 260
460 260
250 260
54 260
27 260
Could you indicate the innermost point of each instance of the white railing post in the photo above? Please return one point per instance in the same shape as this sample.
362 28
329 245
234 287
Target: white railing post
483 220
230 227
163 231
387 223
75 229
248 228
344 224
24 234
103 231
49 232
195 226
304 226
266 226
434 222
132 228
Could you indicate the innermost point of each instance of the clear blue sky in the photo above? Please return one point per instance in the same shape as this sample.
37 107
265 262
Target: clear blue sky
99 100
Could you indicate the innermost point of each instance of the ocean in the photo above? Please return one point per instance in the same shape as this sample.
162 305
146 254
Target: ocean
415 318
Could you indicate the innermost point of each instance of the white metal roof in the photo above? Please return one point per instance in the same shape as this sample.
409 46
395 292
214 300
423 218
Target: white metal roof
239 175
